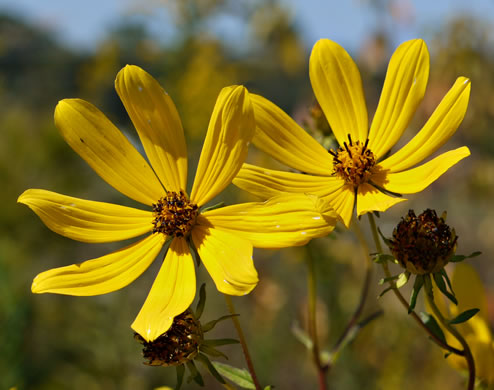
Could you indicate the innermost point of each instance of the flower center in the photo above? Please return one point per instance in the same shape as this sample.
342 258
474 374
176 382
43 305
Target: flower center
423 244
174 214
177 345
353 162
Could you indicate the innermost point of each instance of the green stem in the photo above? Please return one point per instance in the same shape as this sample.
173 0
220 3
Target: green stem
243 342
400 297
365 289
322 369
451 329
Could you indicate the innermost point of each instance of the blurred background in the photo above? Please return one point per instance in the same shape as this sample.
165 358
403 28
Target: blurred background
50 50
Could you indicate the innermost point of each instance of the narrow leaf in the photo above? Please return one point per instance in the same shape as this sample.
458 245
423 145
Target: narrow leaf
202 301
380 258
387 241
458 258
212 351
390 279
465 316
211 324
240 377
302 336
438 278
213 207
219 342
204 360
433 326
385 291
180 376
419 282
194 373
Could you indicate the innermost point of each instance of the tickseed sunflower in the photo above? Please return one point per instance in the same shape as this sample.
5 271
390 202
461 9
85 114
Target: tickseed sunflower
359 171
223 237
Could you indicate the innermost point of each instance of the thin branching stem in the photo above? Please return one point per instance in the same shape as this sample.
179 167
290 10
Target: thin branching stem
243 342
400 297
451 329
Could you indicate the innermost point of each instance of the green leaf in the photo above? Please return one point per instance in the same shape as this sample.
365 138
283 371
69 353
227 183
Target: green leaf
419 282
202 301
380 258
213 207
180 376
219 342
438 278
211 324
458 258
387 241
385 291
194 373
402 279
302 336
465 316
239 376
204 360
433 326
212 351
390 279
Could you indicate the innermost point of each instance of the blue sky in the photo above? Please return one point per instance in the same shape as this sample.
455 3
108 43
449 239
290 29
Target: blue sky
82 23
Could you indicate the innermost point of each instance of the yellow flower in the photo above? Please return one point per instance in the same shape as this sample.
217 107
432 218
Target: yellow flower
224 237
359 171
470 294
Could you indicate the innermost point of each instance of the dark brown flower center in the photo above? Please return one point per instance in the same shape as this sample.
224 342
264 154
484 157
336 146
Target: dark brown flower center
174 214
423 244
177 345
353 162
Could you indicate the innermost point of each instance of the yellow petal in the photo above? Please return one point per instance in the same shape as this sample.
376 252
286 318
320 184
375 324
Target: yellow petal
281 137
369 198
416 179
230 130
403 90
338 88
158 124
106 150
282 221
342 199
469 290
171 294
86 220
227 257
267 183
102 275
438 129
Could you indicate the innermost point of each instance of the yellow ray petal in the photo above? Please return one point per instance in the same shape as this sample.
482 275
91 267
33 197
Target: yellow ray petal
338 88
85 220
369 198
171 294
227 257
158 124
342 199
416 179
403 90
282 221
269 182
106 150
102 275
469 290
281 137
230 130
438 129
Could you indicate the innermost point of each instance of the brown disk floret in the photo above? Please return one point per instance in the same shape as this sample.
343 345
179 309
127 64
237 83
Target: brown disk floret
177 345
174 214
423 244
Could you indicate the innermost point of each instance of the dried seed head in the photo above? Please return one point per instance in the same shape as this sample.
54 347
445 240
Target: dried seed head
176 346
423 244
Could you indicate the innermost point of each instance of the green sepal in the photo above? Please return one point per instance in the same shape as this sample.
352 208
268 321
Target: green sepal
390 279
205 361
402 279
417 285
239 376
387 241
381 258
433 326
438 278
219 342
202 301
195 254
211 324
211 351
213 207
463 317
194 373
458 258
385 291
180 376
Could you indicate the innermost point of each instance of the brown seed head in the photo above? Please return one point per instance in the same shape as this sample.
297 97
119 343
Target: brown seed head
174 214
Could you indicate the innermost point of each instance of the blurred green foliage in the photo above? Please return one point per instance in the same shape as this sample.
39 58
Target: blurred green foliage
58 342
